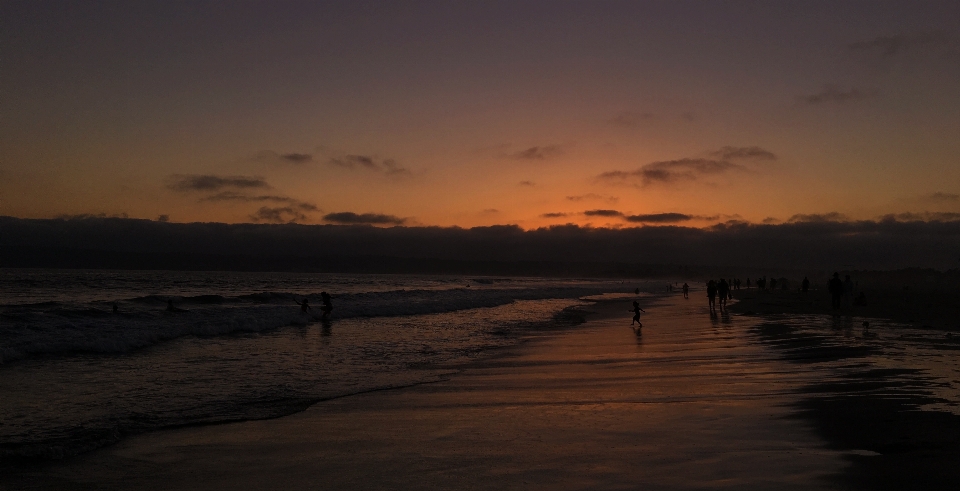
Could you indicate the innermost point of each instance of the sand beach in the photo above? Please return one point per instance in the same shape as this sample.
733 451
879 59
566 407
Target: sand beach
695 401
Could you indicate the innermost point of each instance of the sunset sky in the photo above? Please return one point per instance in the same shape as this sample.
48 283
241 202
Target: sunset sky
447 113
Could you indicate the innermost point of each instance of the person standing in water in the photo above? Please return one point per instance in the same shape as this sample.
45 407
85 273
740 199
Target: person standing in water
712 295
723 290
686 291
835 286
304 306
636 313
325 299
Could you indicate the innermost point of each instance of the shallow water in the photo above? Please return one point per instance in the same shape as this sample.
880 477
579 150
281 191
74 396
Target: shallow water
77 376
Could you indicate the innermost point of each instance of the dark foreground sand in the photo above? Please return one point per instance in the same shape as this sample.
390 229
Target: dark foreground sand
689 404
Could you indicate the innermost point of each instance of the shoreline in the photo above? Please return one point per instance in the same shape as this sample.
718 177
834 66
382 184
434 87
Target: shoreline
930 309
590 407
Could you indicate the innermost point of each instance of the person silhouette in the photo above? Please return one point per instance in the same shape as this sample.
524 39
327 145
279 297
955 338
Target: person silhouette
835 286
711 295
636 313
304 306
723 289
805 285
686 291
327 306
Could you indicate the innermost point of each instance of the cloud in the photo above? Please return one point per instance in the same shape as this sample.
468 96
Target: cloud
234 196
744 153
350 218
818 218
163 218
554 215
925 216
91 216
943 197
832 94
670 171
283 214
537 153
209 182
660 218
592 197
770 220
603 213
388 167
527 183
888 46
297 158
632 119
490 211
564 249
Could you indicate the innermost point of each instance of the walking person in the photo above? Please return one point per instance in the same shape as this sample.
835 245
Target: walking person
636 314
723 290
712 295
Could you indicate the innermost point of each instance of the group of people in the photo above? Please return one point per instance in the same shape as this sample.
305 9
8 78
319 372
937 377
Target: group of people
324 299
720 289
842 292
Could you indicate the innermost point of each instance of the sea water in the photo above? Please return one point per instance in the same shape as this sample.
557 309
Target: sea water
75 375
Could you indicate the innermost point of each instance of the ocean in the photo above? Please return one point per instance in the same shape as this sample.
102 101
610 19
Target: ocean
75 375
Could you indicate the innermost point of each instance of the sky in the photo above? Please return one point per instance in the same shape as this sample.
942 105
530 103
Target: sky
454 113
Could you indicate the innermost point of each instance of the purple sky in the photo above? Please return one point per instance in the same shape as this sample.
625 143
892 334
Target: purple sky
479 113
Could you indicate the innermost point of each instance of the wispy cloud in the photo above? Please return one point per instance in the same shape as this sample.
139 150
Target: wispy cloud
281 214
350 218
659 218
603 213
833 216
388 167
744 153
234 196
210 182
537 153
670 171
832 94
527 183
888 46
925 216
90 216
592 197
554 215
297 158
941 197
632 119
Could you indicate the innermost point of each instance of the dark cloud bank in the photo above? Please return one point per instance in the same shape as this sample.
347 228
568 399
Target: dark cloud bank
561 250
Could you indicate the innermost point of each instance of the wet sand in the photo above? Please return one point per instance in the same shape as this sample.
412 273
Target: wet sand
915 305
891 390
692 403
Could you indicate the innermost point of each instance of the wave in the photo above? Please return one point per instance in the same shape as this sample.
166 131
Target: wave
48 329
